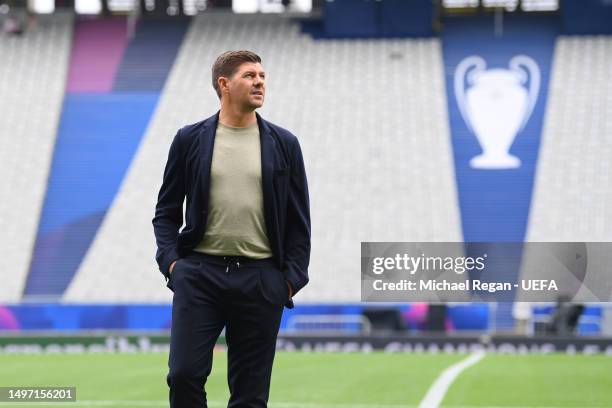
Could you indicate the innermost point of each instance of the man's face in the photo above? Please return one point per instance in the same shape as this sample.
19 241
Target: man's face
247 86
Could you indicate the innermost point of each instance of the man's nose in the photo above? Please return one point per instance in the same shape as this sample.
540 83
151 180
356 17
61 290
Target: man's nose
258 81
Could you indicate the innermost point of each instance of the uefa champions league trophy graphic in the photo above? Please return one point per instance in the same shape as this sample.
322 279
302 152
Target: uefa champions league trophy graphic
496 106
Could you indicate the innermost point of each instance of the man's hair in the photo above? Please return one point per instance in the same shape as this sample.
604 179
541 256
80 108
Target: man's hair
227 64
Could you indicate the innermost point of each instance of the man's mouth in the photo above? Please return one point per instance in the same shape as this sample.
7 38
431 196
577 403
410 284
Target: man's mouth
260 93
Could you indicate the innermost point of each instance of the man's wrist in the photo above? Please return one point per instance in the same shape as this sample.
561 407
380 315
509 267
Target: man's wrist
171 267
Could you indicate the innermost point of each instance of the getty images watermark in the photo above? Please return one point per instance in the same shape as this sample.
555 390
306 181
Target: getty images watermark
466 272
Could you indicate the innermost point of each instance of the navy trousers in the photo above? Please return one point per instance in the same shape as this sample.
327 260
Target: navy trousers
247 298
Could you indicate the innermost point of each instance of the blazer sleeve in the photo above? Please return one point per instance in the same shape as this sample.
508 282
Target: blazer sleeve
297 236
169 209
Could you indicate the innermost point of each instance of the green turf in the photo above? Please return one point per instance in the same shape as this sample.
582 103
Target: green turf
556 380
319 380
374 378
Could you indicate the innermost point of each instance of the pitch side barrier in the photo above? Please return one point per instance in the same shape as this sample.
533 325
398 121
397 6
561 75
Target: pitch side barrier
439 343
158 342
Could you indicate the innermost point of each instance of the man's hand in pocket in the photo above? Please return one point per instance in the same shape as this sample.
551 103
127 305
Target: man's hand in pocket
290 290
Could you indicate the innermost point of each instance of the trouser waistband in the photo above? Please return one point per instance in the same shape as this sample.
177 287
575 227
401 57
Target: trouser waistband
237 261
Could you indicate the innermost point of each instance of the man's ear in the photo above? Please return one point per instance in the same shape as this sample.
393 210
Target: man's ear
223 84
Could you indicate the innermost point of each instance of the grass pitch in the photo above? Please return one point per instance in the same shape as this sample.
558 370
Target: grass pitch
321 380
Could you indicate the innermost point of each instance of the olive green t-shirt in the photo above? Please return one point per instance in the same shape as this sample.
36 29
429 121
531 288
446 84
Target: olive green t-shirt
236 224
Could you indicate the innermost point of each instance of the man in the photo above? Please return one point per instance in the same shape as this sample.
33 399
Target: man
245 247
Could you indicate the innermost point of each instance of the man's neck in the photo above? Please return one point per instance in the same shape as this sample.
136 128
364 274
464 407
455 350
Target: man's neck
236 118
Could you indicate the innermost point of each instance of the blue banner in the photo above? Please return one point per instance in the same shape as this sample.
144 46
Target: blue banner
497 83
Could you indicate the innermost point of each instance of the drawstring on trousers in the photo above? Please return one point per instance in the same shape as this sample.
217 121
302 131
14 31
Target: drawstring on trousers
232 264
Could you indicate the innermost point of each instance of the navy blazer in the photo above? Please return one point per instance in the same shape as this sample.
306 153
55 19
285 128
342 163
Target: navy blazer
285 197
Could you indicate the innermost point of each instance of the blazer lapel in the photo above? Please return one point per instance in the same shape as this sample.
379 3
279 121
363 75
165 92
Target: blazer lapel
207 143
267 175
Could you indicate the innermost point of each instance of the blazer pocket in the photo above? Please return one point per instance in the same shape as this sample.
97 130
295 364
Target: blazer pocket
273 287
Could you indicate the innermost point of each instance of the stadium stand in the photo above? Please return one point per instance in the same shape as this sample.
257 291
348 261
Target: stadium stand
97 48
100 129
573 188
371 118
32 84
149 56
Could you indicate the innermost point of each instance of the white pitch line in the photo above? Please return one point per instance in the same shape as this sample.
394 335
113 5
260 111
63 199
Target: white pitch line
161 403
440 386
